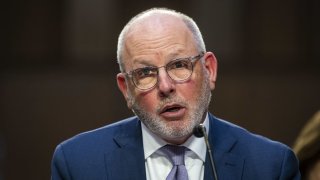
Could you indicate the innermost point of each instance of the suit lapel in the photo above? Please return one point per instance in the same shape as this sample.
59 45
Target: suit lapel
228 164
126 161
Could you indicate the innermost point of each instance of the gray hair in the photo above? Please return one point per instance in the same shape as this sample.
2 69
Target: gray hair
190 23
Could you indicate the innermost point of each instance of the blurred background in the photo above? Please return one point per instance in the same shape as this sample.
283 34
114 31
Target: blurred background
58 68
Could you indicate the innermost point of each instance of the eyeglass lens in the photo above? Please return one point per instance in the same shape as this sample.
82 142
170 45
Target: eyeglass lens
178 70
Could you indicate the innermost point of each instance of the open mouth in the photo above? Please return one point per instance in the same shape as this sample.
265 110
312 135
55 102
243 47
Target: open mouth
173 111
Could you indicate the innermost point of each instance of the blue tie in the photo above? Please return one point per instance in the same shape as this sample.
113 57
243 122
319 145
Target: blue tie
176 156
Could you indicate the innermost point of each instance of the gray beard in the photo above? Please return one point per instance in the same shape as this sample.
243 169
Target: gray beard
195 116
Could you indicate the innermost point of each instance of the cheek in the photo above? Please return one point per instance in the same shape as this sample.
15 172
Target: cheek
190 90
147 101
193 87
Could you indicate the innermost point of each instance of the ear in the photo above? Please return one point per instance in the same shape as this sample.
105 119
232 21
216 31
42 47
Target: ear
123 87
211 66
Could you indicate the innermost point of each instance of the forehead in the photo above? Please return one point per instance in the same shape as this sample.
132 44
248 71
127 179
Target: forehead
159 35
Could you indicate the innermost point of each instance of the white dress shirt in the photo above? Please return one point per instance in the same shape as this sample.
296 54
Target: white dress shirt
158 165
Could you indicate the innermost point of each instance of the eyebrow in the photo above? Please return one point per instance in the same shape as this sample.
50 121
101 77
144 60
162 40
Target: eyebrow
144 62
171 56
175 55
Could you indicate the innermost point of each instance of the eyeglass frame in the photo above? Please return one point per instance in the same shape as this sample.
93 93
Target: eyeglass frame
193 59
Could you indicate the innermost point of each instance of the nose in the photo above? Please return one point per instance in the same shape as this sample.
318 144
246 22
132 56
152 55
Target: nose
166 85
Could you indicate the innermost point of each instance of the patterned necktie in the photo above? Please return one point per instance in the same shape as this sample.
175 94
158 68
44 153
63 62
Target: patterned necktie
176 156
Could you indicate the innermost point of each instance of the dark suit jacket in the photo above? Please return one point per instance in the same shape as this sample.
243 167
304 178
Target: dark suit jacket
115 152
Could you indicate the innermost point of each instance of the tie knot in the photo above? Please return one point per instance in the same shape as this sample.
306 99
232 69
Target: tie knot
175 154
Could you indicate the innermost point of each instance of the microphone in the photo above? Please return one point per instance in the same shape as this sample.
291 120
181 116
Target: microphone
200 131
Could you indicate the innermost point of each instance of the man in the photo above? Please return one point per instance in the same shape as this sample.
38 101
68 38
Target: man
166 78
307 149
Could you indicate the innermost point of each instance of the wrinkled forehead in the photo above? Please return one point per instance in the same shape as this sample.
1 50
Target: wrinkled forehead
158 26
156 31
149 21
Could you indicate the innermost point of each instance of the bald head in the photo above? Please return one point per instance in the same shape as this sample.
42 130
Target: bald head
157 21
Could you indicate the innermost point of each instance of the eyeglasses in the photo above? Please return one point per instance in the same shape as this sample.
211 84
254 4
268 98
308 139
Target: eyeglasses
179 70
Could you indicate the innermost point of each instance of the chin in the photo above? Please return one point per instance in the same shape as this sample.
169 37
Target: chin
179 130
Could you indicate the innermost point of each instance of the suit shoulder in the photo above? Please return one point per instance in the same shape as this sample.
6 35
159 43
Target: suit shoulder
100 135
249 140
264 158
73 155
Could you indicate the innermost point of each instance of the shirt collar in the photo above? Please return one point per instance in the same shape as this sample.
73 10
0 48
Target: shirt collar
151 142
